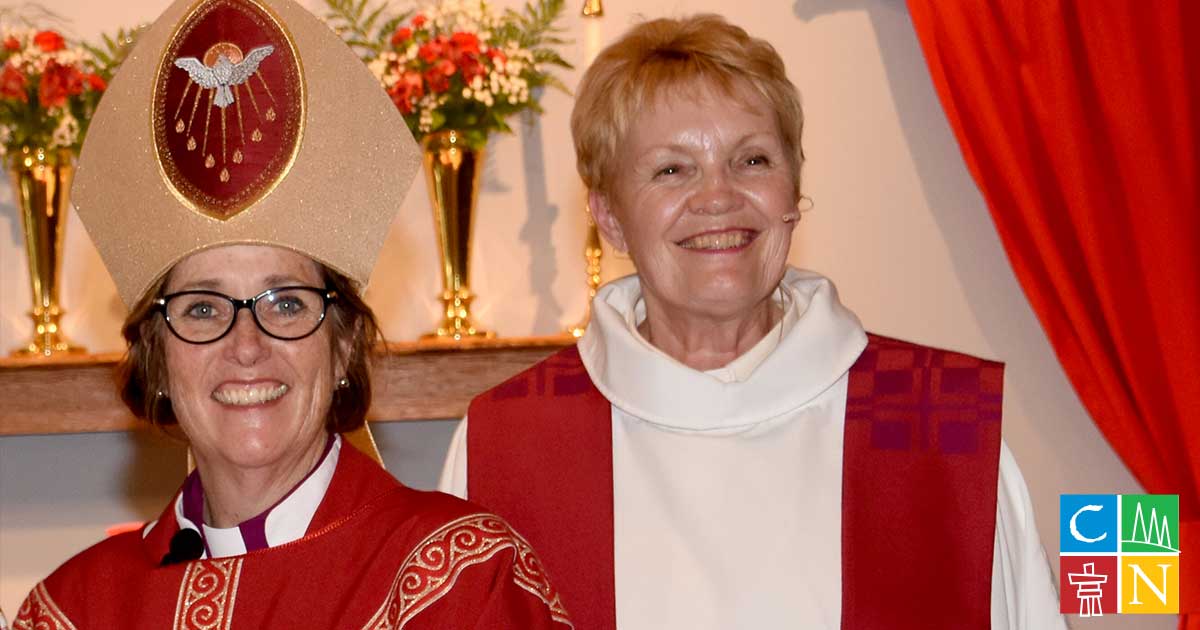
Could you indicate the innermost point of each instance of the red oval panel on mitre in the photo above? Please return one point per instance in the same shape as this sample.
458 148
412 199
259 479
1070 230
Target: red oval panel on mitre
229 106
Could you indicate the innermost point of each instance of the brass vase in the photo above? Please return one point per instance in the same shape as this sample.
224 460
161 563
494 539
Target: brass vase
452 173
41 181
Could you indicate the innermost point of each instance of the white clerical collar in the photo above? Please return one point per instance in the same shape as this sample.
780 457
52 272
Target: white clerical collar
815 342
281 523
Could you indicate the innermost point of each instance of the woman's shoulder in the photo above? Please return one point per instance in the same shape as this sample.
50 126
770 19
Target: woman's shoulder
554 370
433 512
431 522
110 556
924 354
469 567
62 596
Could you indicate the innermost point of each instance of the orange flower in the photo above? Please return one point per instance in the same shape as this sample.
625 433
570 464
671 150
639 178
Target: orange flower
12 43
49 41
59 83
402 34
418 20
12 84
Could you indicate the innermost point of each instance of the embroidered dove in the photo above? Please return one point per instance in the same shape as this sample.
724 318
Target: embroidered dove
224 74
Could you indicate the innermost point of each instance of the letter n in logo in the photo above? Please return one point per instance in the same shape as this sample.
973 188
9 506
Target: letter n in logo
1150 585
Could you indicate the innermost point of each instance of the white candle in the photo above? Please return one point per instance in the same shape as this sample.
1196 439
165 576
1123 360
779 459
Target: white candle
591 38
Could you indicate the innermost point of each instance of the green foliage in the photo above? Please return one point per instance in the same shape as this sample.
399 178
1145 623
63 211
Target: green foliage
112 50
358 23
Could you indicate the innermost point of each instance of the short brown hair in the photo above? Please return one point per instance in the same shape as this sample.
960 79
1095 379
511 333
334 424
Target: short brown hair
142 373
661 54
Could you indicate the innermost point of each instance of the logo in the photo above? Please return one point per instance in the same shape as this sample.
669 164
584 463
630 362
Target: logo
1118 554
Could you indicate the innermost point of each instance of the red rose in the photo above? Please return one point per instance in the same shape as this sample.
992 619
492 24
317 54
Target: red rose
407 90
400 98
431 50
462 43
59 83
12 43
49 41
418 21
438 77
12 84
95 82
402 34
471 68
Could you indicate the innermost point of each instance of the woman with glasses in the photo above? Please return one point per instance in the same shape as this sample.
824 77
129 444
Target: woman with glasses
240 227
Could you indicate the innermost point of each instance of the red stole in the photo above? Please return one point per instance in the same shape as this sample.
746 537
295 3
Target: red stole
920 466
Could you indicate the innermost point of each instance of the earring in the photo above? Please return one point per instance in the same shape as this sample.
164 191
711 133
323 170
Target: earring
161 394
343 383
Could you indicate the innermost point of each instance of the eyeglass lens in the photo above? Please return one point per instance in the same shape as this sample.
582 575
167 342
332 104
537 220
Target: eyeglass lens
289 313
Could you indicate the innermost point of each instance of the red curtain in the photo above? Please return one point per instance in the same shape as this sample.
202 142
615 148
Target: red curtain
1080 122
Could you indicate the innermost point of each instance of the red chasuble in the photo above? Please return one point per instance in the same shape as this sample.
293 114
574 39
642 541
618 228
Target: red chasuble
920 469
377 555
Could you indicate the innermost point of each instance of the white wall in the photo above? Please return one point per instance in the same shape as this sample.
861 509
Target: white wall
898 224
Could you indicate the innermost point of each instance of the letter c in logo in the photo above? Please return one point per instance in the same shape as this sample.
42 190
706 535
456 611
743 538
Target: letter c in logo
1075 530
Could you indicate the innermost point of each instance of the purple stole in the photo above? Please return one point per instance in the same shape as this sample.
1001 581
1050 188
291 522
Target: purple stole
920 465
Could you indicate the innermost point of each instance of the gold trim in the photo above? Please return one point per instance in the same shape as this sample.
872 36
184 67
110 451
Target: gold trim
208 590
39 611
432 569
195 199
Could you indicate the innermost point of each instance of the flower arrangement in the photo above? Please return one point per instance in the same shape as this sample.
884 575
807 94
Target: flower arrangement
49 87
457 64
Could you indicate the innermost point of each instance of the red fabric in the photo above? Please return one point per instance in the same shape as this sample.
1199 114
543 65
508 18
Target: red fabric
376 554
539 448
920 466
920 471
1080 122
225 158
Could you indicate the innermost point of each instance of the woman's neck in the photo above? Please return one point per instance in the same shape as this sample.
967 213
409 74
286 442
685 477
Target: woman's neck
234 494
703 342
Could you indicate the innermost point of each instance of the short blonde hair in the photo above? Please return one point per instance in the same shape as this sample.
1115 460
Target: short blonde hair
666 53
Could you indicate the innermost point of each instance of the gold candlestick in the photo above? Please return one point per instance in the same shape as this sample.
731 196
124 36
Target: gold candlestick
592 251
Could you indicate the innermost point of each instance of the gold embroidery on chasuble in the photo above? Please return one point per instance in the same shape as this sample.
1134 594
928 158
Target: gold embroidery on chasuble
39 612
207 594
433 567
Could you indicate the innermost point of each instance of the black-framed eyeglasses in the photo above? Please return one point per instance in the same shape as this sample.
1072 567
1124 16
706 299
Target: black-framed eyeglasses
287 313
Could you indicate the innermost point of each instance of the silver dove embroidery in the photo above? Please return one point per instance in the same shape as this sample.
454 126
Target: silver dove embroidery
223 73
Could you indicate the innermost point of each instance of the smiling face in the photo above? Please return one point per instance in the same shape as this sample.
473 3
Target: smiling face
700 203
247 400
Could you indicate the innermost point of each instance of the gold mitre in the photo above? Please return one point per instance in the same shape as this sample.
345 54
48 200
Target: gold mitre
241 121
